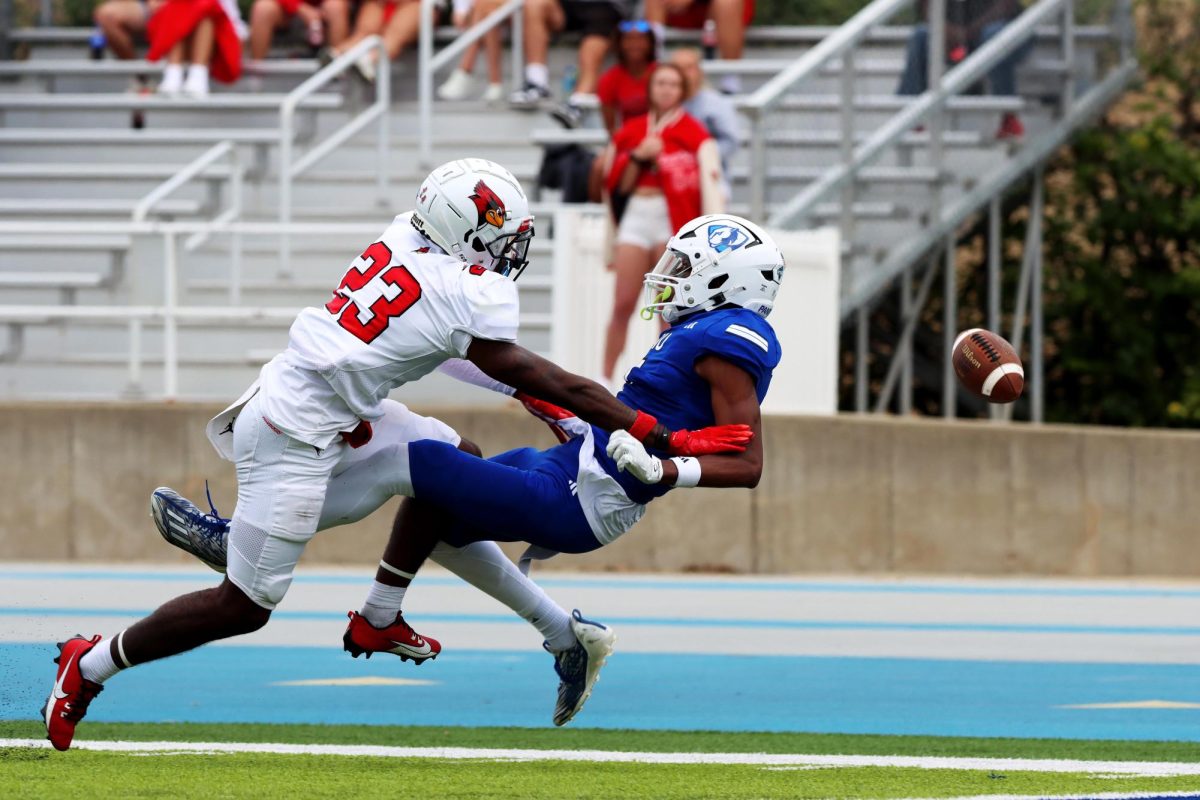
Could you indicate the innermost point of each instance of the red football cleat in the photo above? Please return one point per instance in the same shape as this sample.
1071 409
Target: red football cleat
1010 127
398 638
71 695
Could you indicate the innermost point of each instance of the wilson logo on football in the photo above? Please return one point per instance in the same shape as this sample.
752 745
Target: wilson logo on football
490 206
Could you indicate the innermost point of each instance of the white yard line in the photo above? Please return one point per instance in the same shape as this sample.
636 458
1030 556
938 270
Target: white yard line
1131 768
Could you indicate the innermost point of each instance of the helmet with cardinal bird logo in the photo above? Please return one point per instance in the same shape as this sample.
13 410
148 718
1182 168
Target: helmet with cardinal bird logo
476 210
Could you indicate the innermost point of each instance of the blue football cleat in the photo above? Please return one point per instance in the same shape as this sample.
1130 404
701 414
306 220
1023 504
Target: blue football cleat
578 667
183 524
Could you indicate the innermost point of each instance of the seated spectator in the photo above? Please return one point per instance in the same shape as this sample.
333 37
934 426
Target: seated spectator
122 21
461 83
397 21
624 86
323 20
596 19
664 168
713 109
207 34
978 21
730 18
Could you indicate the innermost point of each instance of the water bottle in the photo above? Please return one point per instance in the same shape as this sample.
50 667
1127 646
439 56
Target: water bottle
570 78
96 44
708 39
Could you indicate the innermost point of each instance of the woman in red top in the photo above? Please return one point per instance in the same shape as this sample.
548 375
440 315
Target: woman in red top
668 168
623 87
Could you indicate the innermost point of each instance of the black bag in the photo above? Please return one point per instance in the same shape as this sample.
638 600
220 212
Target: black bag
566 167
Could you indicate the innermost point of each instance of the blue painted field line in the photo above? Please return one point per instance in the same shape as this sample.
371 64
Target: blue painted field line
763 585
707 622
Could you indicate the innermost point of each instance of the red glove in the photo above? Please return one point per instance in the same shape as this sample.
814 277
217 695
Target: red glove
717 439
359 436
547 413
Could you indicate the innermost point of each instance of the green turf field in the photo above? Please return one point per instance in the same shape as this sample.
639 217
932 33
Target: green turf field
34 773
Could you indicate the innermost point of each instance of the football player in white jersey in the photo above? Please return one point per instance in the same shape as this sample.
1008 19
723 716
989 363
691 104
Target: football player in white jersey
438 285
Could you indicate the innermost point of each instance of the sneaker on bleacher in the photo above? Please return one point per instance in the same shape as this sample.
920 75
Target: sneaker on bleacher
494 93
529 96
459 86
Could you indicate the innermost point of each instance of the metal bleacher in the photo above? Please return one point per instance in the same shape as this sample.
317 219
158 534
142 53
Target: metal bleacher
73 172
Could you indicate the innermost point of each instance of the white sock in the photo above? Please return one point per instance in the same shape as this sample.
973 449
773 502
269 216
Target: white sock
484 566
538 74
97 665
383 604
731 84
553 622
172 79
197 72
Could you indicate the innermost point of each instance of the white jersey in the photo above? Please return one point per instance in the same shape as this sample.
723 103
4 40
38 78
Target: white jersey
401 310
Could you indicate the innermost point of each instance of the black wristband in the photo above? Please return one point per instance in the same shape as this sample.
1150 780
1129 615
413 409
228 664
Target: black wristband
660 437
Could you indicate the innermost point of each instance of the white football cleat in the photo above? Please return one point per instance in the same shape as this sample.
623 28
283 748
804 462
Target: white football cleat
578 666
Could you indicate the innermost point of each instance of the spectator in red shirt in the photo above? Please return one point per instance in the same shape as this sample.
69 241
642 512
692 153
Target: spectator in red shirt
624 86
665 166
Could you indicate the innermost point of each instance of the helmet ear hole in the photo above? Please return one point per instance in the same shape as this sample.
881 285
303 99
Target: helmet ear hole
718 281
478 245
768 274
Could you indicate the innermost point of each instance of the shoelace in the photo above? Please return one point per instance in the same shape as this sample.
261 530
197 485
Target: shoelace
212 507
87 693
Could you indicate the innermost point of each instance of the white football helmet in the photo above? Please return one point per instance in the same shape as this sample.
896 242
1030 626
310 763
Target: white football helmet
476 210
714 261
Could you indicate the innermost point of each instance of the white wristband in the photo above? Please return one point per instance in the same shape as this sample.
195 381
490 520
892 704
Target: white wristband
689 471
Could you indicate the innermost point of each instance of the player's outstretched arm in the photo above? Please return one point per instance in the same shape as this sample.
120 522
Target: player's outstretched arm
533 375
734 402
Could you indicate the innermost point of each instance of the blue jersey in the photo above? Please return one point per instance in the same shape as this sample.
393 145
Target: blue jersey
666 385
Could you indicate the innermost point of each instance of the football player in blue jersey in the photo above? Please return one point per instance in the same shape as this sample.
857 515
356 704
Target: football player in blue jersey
714 286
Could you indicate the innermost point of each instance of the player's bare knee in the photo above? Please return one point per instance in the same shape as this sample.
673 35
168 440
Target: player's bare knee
238 612
467 446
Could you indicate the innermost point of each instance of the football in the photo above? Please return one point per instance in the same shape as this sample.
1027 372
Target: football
988 366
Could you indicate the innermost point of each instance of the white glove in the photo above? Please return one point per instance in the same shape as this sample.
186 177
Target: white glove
631 456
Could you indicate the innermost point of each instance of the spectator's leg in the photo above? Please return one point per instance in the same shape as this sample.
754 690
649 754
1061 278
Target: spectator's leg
542 18
592 51
368 22
1003 80
631 263
265 17
493 47
202 42
916 62
337 21
120 20
731 29
172 79
403 28
1003 77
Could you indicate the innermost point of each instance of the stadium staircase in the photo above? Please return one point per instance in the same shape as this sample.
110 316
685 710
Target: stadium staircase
85 199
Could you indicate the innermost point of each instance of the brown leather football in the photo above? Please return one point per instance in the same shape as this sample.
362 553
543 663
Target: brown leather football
988 366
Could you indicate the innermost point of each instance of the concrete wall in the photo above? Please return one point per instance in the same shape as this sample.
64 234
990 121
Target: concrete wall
844 494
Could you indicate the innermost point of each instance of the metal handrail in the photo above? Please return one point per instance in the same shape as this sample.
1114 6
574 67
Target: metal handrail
769 94
429 63
287 128
956 80
191 170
